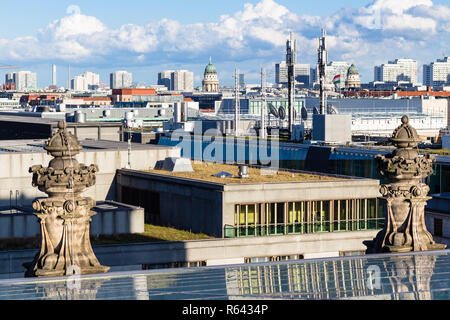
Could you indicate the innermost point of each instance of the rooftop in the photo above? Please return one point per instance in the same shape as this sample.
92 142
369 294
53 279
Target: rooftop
206 172
37 145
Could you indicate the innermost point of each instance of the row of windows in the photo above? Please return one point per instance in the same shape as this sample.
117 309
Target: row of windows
273 258
305 217
169 265
306 280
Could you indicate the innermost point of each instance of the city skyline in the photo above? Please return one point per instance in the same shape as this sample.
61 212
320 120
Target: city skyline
246 35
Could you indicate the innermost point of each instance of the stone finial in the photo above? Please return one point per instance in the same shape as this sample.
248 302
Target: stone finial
65 215
405 195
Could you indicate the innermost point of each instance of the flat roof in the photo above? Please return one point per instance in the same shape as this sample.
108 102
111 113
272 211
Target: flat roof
206 172
36 118
411 276
37 145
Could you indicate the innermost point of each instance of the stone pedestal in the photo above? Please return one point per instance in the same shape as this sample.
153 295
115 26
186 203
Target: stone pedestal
65 215
406 196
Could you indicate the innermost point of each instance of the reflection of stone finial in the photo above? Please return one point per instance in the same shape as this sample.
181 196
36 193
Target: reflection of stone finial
406 195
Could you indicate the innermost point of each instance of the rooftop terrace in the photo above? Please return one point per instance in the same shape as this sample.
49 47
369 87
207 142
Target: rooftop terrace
206 172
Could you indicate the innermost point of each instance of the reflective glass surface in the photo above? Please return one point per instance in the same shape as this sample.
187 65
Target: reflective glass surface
417 276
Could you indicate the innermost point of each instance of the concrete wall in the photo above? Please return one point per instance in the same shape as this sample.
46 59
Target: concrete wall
214 252
19 225
123 219
115 218
332 127
429 221
185 204
14 175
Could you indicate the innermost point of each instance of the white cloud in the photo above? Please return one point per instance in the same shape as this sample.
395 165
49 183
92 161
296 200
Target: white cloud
382 30
73 26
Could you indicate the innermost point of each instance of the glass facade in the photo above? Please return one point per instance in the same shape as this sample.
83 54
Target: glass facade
255 106
304 280
409 276
269 219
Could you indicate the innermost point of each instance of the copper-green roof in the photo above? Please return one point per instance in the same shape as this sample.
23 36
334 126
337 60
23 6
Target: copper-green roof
210 68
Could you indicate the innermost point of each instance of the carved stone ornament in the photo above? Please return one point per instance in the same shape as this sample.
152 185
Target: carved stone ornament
65 215
406 195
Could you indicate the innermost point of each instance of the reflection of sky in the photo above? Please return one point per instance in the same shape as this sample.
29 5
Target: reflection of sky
398 277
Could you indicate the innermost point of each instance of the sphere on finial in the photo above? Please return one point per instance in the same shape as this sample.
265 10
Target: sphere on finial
62 124
405 120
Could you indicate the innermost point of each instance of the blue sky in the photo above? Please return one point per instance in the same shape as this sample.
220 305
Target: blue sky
149 36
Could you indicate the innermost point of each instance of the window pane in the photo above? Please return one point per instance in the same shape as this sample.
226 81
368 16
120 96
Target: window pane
371 208
325 210
242 215
291 213
251 214
336 210
280 213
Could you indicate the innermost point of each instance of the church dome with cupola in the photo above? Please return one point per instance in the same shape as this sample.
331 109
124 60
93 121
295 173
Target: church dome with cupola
210 79
353 80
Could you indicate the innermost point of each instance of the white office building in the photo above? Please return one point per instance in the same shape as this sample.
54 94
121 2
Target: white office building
22 80
332 69
120 79
302 74
437 73
182 80
79 83
93 80
177 80
335 68
399 70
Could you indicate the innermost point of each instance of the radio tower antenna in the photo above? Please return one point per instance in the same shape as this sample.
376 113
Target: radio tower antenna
323 57
236 103
291 60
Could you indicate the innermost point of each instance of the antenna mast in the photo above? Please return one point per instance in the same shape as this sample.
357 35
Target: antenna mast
291 59
236 102
262 134
323 57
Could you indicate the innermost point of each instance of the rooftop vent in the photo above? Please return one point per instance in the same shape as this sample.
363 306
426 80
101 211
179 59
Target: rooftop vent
243 172
223 174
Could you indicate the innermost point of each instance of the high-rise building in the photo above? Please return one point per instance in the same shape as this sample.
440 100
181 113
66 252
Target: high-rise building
22 80
437 73
164 78
302 74
93 80
332 69
335 68
79 83
120 79
53 75
182 80
177 80
86 81
399 70
242 80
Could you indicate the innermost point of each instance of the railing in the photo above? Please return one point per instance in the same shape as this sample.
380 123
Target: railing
302 228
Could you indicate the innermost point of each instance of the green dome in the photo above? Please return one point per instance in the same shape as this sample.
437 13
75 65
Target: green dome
352 70
210 68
